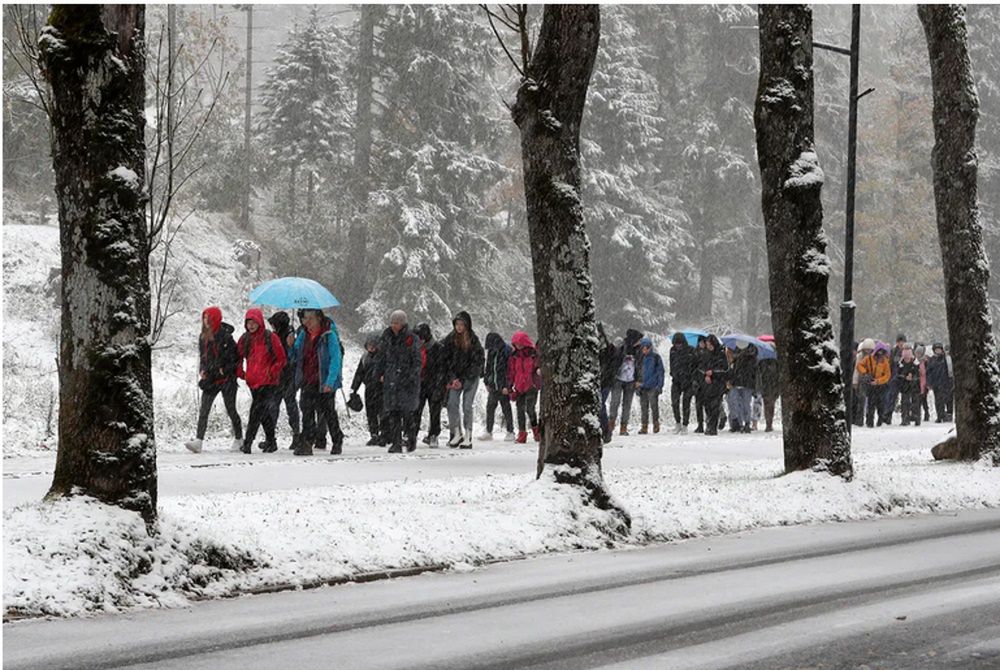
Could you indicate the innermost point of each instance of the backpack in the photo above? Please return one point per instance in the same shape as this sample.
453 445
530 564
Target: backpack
267 340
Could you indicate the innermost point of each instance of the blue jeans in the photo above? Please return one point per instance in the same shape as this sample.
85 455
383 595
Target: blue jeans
740 403
464 398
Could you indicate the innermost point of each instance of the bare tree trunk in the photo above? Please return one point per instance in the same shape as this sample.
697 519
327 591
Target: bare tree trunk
94 59
812 407
355 279
966 266
548 111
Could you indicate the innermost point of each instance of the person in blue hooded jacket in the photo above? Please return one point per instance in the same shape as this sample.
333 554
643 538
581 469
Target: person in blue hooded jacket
318 373
649 383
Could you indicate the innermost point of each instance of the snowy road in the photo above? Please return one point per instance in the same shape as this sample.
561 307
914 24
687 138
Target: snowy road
911 592
220 471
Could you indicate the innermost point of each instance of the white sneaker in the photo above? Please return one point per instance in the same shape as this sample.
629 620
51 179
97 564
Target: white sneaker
432 442
194 446
456 440
485 437
237 445
683 430
677 429
467 441
509 437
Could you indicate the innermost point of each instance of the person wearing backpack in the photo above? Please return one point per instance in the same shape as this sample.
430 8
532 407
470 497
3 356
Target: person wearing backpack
495 379
217 374
260 360
318 356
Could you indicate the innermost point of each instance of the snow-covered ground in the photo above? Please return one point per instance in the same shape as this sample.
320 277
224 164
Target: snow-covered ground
272 521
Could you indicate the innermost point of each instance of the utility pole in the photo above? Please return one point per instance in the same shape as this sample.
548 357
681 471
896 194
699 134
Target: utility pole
245 214
847 307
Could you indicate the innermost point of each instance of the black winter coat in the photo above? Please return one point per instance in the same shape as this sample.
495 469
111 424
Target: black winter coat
398 365
497 355
938 378
606 357
282 328
683 364
629 347
433 378
744 370
365 373
464 363
217 357
912 368
717 363
767 378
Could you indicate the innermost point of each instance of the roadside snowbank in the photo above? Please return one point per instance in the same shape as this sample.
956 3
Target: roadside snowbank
74 557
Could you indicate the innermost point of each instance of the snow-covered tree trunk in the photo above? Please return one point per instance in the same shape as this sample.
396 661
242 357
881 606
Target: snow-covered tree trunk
355 280
812 407
548 111
93 57
966 267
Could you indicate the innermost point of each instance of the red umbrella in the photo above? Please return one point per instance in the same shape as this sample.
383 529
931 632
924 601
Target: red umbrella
766 338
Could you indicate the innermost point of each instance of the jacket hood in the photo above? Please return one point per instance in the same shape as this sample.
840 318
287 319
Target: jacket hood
463 316
255 314
372 340
716 345
646 342
214 315
280 323
678 338
226 329
521 338
494 341
937 345
632 338
423 330
881 347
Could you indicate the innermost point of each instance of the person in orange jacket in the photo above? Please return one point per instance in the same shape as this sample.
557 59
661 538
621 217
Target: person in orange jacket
874 372
261 359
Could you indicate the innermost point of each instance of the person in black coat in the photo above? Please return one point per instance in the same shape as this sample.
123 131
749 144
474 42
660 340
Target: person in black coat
365 374
217 360
281 325
495 380
465 360
742 382
682 369
433 379
907 372
397 366
769 387
939 380
713 369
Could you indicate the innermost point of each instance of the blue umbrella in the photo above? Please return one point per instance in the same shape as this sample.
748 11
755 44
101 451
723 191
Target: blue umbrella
293 293
691 336
764 349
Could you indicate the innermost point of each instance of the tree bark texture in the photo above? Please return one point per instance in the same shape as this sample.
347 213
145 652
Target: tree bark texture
960 233
355 280
93 56
815 430
548 112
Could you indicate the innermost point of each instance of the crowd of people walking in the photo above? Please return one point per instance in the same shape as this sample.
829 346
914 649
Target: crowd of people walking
405 370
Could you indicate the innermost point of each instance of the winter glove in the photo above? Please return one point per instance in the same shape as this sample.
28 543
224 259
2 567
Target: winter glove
354 403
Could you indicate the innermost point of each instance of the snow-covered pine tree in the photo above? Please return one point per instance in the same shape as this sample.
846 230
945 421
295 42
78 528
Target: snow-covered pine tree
307 117
548 111
93 57
966 265
635 226
812 405
436 136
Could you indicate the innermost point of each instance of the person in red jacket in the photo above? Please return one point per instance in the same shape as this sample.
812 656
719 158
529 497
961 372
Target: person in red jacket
524 382
261 360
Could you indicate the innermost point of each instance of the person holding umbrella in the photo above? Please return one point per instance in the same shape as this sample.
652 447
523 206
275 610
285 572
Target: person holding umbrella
281 323
318 372
261 358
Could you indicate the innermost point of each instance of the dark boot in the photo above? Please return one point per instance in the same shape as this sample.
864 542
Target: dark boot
245 448
700 428
337 447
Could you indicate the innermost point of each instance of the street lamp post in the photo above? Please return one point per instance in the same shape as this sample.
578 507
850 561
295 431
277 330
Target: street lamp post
847 306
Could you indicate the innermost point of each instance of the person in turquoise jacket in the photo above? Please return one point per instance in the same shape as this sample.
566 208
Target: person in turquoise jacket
649 383
318 358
